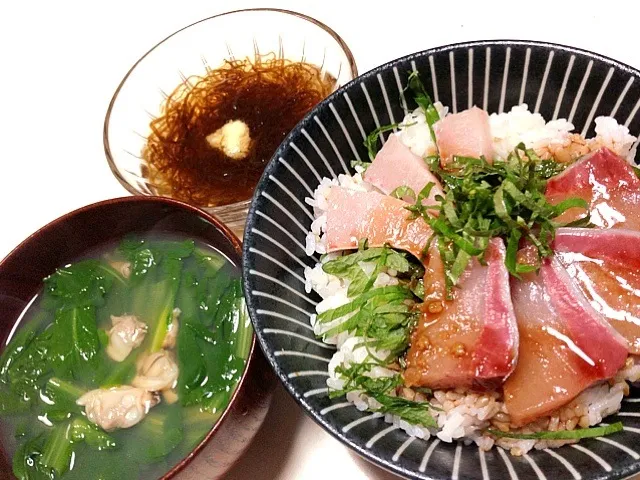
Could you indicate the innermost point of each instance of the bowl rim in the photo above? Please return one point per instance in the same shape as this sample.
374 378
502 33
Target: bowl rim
237 248
368 454
105 129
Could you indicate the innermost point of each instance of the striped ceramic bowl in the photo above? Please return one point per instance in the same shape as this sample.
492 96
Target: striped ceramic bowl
558 82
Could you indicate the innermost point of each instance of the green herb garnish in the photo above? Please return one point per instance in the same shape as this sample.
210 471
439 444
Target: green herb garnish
356 378
403 192
348 267
382 315
423 99
371 141
483 200
360 163
563 434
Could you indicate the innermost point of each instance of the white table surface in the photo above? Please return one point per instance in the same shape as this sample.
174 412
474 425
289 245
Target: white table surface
60 62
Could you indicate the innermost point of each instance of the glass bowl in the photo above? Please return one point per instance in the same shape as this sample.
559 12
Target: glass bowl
191 51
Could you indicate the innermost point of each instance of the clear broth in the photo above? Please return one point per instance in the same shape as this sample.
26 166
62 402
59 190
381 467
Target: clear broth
137 454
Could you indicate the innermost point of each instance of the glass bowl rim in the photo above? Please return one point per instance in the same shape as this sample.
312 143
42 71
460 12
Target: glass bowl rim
105 131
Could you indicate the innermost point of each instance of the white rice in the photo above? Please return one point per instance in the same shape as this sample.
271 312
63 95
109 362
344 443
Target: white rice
460 416
522 126
415 133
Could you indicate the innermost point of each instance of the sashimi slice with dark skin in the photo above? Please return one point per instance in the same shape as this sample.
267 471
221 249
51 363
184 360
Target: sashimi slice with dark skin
605 264
473 340
396 166
565 344
607 182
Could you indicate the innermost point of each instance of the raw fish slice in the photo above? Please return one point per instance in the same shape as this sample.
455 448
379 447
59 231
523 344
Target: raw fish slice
594 336
465 134
607 182
605 264
473 341
397 166
497 348
565 345
381 219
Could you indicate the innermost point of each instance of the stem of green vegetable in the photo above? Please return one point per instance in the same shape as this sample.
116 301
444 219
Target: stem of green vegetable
57 449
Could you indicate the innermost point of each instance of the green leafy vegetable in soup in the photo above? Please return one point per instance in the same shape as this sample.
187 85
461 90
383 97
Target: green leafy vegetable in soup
124 362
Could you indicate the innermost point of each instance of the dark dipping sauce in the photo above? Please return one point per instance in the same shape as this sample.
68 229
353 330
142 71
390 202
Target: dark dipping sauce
269 96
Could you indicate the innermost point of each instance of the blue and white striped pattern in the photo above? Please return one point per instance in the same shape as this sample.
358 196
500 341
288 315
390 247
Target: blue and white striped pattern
555 81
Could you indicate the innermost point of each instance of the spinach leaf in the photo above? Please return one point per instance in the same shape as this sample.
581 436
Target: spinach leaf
123 373
210 365
164 301
145 255
11 403
211 295
29 370
157 269
142 260
209 358
49 455
27 464
61 398
16 347
57 451
192 368
74 341
77 285
69 347
210 264
159 433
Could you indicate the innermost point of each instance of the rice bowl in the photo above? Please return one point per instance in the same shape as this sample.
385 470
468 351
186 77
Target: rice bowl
462 415
355 428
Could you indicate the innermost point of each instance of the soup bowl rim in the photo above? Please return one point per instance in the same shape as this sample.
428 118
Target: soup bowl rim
236 245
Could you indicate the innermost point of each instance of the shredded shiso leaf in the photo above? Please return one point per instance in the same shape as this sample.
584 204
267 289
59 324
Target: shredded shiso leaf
378 388
483 200
563 434
423 100
383 315
371 141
